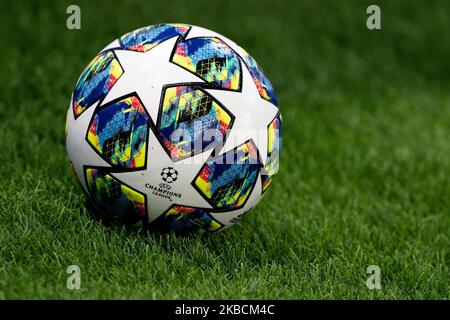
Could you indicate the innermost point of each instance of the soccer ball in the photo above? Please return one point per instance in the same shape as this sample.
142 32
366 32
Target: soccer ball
174 127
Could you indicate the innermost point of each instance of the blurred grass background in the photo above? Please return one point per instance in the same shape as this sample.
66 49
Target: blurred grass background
364 178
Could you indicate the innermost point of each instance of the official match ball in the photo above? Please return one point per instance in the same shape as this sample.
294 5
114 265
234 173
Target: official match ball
174 127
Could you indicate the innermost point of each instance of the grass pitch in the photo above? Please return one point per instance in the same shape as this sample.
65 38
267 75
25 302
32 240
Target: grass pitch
364 176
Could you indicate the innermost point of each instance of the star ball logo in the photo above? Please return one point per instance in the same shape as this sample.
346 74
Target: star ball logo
169 174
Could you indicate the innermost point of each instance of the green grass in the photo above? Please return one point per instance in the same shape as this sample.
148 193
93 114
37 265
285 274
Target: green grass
365 167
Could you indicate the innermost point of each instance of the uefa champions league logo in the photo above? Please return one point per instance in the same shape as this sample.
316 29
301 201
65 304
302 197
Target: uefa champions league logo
169 174
163 190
